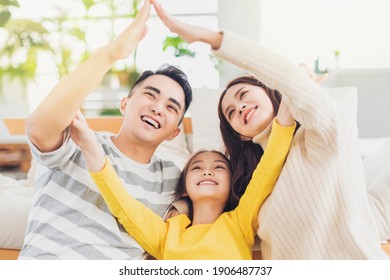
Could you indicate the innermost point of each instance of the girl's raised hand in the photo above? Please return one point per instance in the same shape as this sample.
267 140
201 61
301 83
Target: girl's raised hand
80 132
85 138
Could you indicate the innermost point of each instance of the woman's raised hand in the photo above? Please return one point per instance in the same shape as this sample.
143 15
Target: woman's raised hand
189 33
312 75
126 42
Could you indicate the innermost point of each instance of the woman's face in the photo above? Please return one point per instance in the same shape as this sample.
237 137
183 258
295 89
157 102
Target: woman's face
248 109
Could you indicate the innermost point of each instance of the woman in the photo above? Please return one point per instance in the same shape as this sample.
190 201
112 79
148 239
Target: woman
319 208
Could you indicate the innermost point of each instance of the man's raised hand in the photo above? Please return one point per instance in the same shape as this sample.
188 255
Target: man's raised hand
126 42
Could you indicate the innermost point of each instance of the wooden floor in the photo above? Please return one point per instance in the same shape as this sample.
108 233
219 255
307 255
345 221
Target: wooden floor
8 254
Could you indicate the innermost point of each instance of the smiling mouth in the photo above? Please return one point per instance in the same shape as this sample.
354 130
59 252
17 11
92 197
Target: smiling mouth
152 122
207 182
249 114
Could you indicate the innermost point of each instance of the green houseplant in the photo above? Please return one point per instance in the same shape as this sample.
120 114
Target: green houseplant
24 39
5 13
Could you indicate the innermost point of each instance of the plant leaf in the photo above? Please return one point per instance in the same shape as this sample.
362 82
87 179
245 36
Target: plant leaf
4 17
9 3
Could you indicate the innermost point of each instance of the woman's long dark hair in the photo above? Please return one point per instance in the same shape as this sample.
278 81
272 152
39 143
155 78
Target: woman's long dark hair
244 155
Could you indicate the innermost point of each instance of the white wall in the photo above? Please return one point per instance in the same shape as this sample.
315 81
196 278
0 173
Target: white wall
241 17
373 98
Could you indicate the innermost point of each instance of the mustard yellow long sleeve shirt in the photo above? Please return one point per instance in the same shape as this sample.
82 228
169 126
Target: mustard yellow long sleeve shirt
231 236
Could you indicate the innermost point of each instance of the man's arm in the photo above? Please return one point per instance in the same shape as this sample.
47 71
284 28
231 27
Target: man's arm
46 124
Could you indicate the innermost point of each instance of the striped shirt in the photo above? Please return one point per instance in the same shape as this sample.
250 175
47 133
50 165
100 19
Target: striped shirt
69 218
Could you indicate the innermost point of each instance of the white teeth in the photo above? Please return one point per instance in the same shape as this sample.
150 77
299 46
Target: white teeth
151 121
249 114
207 183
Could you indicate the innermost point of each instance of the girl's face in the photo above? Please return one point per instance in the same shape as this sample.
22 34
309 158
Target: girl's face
248 109
208 178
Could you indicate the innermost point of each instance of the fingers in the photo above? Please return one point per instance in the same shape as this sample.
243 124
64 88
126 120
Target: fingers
309 72
162 14
144 13
79 120
322 78
312 75
144 31
159 9
75 124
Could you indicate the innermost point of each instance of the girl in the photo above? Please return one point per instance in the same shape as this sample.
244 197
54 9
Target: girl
320 208
210 232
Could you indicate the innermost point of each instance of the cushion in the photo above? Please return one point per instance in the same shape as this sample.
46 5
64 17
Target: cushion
348 97
377 171
205 121
175 150
15 205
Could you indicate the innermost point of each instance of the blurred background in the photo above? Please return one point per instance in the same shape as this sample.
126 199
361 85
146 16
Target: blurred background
42 40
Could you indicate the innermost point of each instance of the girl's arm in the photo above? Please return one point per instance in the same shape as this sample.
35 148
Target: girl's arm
146 227
264 177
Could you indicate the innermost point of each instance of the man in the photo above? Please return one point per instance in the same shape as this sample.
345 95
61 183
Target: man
69 219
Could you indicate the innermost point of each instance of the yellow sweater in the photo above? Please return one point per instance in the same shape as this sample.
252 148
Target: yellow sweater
231 236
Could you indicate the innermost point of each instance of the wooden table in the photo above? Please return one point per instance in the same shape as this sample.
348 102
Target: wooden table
15 155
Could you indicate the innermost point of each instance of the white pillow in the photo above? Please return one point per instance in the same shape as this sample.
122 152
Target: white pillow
205 121
368 146
15 205
377 171
348 97
175 150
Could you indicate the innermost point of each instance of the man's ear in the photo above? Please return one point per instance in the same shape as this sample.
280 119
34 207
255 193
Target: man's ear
122 105
174 134
245 138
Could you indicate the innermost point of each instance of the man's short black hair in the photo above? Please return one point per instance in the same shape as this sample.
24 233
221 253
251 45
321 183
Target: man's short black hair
175 74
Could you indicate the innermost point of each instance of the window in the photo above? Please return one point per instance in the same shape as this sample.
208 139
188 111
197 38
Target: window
302 30
99 25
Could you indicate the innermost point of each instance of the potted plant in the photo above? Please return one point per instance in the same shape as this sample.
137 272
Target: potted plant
179 46
18 55
5 13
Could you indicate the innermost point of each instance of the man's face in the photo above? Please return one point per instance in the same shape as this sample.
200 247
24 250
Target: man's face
153 112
